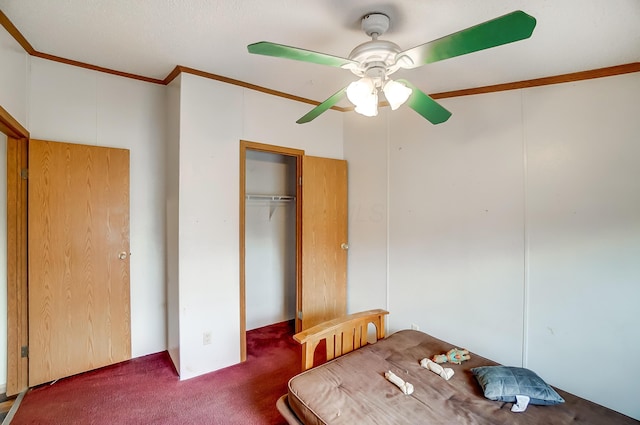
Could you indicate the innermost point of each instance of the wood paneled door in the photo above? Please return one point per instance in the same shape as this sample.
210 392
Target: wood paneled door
323 293
78 242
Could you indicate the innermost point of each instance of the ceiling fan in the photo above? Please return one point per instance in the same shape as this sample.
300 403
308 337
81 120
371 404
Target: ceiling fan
374 61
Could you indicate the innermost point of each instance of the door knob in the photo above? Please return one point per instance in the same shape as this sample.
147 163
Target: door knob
345 246
122 255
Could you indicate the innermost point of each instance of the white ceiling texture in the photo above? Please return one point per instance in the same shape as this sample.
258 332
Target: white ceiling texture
150 37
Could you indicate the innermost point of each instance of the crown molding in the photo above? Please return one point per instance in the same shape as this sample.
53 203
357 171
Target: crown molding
11 127
609 71
15 33
536 82
183 69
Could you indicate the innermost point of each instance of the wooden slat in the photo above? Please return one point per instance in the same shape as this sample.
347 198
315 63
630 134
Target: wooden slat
380 327
308 351
337 332
364 334
331 348
357 336
338 344
347 340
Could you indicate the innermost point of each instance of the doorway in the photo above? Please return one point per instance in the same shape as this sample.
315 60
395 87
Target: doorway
320 232
270 237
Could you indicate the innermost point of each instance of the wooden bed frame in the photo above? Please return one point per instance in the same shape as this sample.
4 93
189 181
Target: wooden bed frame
342 335
348 333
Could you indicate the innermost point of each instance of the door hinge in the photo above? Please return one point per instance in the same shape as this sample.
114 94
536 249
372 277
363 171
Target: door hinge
24 351
300 315
300 181
24 173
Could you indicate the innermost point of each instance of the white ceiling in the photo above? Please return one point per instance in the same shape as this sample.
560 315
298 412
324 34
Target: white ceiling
151 37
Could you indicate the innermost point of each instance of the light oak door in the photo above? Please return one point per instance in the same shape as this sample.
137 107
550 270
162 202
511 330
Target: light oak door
323 292
78 221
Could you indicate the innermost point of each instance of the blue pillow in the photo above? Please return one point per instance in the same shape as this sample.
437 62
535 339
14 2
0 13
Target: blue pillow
504 383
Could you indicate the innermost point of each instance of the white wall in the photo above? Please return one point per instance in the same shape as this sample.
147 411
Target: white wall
272 120
14 99
214 117
583 225
366 152
76 105
210 123
514 229
3 263
456 234
270 240
172 181
14 78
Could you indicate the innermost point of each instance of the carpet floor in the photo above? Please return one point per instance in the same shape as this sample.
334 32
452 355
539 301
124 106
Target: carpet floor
147 390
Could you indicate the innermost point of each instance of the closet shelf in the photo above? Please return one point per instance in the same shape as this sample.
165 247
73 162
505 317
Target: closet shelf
272 198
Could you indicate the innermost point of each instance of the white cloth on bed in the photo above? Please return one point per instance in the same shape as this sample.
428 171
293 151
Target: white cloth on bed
406 387
445 372
522 401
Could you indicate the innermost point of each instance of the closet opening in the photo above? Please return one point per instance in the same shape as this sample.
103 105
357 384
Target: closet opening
270 210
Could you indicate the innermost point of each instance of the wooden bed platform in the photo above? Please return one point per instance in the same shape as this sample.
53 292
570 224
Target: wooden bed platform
352 388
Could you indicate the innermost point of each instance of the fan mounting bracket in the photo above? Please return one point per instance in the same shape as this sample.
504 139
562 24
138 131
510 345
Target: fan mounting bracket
376 56
375 24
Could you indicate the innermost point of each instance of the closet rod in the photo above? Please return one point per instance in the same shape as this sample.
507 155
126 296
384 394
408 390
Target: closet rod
270 197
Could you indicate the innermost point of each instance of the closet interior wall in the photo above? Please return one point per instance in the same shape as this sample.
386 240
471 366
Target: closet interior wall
270 238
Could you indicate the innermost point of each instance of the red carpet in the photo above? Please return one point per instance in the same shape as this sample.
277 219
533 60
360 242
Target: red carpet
146 390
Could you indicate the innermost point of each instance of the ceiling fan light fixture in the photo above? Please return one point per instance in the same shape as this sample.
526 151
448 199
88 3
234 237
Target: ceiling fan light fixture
363 93
396 93
375 60
360 91
368 108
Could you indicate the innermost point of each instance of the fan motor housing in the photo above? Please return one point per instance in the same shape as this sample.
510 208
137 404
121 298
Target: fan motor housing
375 51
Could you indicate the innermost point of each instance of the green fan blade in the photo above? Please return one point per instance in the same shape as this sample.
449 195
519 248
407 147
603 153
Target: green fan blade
425 105
505 29
278 50
312 114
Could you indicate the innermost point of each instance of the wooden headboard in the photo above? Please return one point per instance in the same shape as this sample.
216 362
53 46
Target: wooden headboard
342 335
